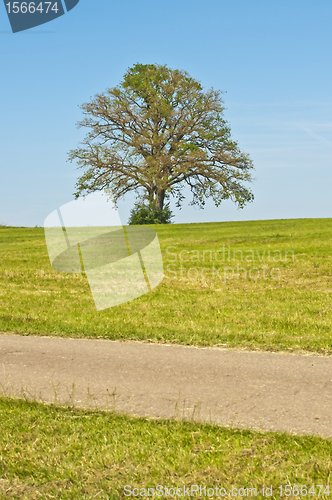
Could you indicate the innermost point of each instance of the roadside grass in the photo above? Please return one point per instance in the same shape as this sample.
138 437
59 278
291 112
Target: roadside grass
50 451
207 297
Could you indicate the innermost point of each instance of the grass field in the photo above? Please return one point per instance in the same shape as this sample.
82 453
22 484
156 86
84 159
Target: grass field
65 453
253 285
250 285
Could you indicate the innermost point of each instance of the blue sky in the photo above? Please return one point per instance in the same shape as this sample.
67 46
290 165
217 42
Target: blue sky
273 59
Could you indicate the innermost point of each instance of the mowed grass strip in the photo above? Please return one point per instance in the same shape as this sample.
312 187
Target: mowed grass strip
251 285
67 453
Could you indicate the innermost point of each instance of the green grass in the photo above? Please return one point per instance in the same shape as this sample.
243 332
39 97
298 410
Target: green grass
66 453
195 307
57 452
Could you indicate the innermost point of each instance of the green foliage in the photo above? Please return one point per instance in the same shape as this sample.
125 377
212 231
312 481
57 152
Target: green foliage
150 214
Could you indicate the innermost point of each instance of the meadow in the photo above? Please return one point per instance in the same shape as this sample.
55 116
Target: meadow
263 285
67 453
260 285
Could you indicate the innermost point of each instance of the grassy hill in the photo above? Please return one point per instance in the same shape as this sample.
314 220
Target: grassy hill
253 285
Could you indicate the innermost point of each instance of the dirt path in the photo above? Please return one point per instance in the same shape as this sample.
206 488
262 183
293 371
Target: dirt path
245 389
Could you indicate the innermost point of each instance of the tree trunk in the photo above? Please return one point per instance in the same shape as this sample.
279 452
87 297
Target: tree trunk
160 199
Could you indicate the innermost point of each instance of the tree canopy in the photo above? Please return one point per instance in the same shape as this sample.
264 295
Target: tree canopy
155 133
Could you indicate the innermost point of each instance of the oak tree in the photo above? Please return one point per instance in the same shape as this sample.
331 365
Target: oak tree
155 133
